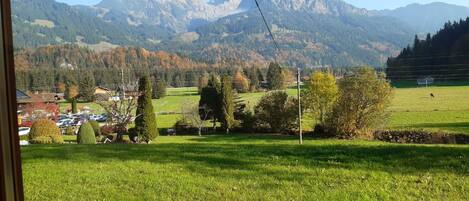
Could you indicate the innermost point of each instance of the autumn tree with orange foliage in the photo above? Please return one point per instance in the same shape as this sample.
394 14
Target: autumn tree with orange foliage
240 82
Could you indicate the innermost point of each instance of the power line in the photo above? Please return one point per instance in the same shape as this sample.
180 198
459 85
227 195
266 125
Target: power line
425 66
429 57
267 26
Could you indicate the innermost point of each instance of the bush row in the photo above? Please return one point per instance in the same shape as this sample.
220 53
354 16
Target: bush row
420 137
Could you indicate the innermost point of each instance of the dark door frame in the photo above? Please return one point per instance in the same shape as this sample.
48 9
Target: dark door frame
11 184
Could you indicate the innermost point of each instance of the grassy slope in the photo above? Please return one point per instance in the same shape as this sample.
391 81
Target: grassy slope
246 168
412 108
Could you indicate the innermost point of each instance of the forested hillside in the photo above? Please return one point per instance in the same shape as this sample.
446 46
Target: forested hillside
443 56
311 33
43 68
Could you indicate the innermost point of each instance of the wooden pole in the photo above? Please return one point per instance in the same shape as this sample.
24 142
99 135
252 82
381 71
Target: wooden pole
299 104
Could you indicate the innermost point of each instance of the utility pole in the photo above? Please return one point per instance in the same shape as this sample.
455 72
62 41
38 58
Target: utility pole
299 104
123 83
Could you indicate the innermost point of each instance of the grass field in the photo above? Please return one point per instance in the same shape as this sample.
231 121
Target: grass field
412 108
242 167
263 167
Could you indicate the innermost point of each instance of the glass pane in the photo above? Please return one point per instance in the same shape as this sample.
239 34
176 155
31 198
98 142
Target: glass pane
242 99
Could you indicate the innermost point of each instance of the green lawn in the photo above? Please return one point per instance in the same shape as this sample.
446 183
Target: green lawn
242 167
412 108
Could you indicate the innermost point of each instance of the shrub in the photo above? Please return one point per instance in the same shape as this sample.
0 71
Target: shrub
182 126
420 137
86 134
57 139
248 122
96 128
42 129
132 134
363 99
108 130
69 131
277 111
41 140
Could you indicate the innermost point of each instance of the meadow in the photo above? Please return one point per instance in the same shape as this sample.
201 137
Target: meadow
263 167
412 108
246 167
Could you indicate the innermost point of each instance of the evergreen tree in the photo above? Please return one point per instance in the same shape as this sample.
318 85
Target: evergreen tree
209 99
253 76
145 121
87 86
275 77
227 104
86 134
159 88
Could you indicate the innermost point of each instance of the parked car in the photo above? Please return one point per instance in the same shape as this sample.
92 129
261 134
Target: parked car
64 123
24 131
95 117
102 118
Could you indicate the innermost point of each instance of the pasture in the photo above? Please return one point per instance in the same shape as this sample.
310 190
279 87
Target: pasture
412 108
246 167
263 167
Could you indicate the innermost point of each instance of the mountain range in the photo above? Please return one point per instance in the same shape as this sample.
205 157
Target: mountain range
309 32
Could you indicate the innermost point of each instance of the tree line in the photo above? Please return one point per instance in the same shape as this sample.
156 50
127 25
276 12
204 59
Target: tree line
443 56
50 68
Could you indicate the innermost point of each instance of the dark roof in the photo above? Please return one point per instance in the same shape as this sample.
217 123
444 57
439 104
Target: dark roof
25 98
21 95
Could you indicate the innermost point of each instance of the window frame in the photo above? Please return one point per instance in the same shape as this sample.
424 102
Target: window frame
11 183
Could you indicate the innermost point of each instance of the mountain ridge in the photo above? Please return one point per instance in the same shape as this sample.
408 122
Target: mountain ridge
310 32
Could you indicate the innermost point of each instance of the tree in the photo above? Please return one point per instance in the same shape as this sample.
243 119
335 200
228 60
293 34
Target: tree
255 78
227 104
145 121
209 99
195 116
202 82
275 77
320 95
87 86
159 88
74 106
120 114
86 134
71 90
277 111
240 82
361 107
61 87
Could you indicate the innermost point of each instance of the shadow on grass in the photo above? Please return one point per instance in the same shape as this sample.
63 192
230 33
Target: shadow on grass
203 158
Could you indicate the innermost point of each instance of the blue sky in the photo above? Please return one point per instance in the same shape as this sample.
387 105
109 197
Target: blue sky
390 4
369 4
